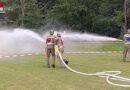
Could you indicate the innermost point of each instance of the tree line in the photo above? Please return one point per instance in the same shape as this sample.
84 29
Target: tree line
105 17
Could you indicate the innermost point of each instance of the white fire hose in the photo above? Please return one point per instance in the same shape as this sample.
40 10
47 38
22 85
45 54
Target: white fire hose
105 74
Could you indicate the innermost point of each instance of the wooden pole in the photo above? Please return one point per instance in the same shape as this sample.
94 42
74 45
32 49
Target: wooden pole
22 10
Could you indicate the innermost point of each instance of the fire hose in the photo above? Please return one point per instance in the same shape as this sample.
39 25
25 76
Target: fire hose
105 74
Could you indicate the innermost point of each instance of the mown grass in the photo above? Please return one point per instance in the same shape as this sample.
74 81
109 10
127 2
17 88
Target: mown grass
94 46
119 46
31 73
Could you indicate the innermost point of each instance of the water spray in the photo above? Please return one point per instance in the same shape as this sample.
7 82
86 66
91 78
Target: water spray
28 33
105 74
20 41
87 37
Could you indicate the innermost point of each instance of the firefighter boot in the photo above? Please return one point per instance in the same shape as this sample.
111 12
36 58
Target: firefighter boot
48 65
53 65
66 61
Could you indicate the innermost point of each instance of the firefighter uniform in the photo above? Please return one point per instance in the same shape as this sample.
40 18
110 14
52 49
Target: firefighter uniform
50 43
59 43
126 47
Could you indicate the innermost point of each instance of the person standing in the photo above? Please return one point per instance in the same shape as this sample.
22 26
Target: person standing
126 46
50 43
60 44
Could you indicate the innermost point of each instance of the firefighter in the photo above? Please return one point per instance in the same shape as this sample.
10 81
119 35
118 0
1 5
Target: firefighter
126 46
59 43
50 43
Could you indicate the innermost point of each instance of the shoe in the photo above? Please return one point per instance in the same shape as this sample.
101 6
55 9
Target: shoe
66 62
53 65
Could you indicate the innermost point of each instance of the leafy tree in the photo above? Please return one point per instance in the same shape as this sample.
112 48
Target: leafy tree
12 9
70 12
23 13
33 16
45 6
110 18
104 17
97 16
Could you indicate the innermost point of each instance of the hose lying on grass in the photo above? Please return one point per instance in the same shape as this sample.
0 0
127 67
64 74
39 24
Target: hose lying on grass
105 74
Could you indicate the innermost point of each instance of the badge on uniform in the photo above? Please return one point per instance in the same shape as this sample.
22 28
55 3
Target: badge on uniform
127 38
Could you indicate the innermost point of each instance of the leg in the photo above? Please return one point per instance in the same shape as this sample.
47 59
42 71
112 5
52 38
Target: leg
129 53
61 64
66 61
59 58
53 57
124 53
48 58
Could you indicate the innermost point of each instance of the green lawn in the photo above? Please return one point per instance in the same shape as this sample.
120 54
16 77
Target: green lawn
30 72
94 46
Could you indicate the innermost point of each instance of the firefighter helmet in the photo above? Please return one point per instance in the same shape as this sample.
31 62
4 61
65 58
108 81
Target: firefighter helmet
51 32
58 35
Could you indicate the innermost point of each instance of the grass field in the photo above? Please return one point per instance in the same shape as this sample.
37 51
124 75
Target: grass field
94 46
30 72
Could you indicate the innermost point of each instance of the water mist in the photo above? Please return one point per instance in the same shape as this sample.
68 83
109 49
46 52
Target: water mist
18 40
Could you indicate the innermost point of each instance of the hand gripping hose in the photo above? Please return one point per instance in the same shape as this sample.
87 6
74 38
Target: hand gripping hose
105 74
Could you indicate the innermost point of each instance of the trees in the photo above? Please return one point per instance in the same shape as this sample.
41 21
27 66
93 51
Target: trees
110 18
45 6
72 13
96 16
23 13
104 17
12 9
33 16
